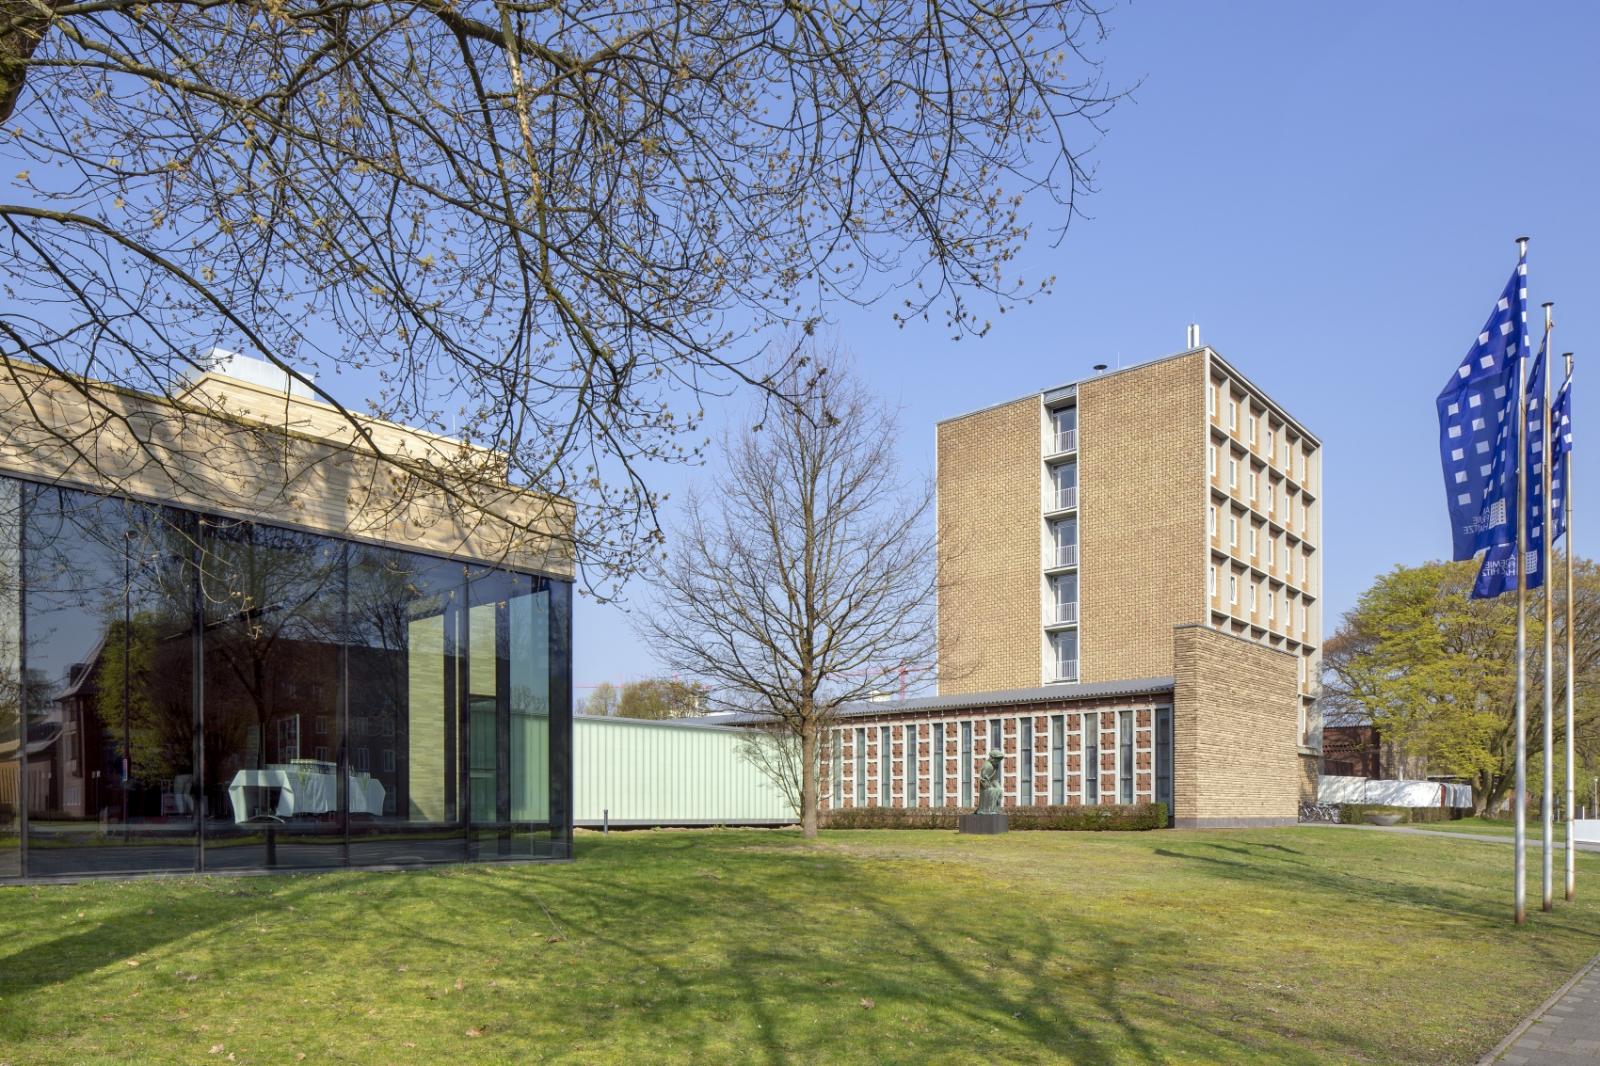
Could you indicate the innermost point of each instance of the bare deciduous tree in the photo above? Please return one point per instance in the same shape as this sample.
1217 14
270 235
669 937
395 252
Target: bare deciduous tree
548 228
807 578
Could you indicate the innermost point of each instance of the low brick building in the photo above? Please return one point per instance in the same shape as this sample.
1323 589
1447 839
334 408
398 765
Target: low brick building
1130 605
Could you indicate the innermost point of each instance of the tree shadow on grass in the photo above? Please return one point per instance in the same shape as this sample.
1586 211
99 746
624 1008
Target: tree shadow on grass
145 926
1296 876
1009 983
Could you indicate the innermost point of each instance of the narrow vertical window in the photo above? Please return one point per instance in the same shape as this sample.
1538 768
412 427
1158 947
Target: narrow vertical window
861 767
836 770
1025 762
1058 760
995 743
1164 757
1091 758
966 764
1125 757
911 766
936 754
885 765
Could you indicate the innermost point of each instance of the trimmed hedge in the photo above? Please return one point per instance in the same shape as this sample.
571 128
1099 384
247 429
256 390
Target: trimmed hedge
1138 816
1356 813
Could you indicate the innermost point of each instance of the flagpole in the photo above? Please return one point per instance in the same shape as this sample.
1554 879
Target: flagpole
1547 813
1520 797
1566 503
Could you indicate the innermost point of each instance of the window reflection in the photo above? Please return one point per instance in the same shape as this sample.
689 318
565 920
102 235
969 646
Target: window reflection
273 603
108 685
354 703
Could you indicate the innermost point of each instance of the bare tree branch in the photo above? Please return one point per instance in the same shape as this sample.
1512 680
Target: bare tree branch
553 230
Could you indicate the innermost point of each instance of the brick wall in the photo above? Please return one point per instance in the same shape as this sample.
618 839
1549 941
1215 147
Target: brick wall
1142 438
1083 724
990 490
1236 716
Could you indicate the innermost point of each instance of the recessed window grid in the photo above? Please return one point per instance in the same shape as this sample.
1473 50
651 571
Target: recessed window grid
911 766
1058 759
1091 758
1125 757
861 767
966 764
1025 761
1164 757
885 765
836 768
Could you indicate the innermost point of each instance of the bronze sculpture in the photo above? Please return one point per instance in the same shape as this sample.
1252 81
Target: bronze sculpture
991 784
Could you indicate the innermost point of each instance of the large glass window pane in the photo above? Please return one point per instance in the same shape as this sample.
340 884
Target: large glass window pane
510 631
404 645
273 602
108 687
10 678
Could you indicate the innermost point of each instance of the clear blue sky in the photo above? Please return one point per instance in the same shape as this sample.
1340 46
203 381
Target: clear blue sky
1331 191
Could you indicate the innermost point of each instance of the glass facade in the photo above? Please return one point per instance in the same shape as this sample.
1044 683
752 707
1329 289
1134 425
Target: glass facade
199 693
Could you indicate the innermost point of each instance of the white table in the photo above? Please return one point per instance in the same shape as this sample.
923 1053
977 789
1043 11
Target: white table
304 792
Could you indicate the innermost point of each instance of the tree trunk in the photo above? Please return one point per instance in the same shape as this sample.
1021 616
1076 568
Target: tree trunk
22 26
808 779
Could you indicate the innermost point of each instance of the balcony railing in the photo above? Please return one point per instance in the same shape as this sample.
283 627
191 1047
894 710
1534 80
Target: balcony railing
1066 669
1066 440
1065 555
1064 498
1060 613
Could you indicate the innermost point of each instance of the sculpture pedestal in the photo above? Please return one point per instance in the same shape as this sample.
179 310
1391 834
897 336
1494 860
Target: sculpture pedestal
983 824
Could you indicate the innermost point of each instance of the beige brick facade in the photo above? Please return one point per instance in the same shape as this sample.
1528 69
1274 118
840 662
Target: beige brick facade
1159 521
1142 519
989 545
1235 726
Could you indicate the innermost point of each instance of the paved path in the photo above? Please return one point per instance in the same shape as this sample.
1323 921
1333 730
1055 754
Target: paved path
1564 1031
1533 840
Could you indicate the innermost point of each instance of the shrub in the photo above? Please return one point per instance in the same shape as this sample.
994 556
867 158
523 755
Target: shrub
1137 816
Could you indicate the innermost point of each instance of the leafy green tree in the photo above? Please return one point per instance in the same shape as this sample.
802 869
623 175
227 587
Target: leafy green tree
1435 671
660 698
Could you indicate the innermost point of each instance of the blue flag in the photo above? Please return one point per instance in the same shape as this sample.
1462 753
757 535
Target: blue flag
1499 573
1477 430
1561 429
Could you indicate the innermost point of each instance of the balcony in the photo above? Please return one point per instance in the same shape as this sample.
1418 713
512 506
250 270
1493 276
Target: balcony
1064 498
1062 556
1061 614
1064 441
1066 670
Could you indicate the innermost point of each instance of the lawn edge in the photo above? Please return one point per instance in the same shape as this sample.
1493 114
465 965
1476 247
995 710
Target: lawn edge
1538 1012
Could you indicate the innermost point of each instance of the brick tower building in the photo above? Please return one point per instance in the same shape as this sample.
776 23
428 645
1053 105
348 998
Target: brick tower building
1130 605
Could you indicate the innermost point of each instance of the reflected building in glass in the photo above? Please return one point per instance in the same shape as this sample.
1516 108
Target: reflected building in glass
186 689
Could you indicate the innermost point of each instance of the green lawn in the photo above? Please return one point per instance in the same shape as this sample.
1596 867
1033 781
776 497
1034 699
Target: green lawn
1286 946
1492 827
